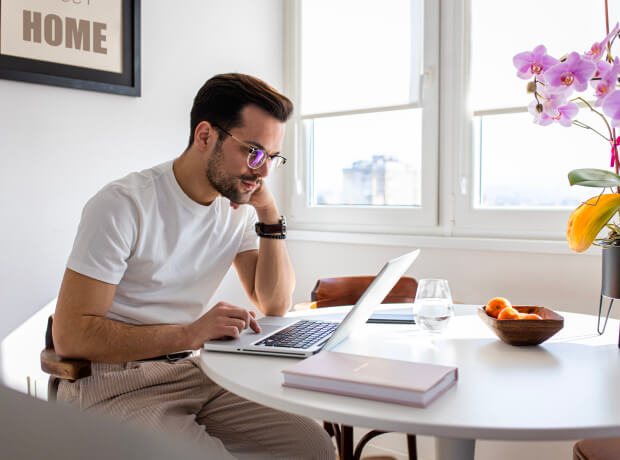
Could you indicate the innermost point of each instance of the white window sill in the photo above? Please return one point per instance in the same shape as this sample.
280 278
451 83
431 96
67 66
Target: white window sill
442 242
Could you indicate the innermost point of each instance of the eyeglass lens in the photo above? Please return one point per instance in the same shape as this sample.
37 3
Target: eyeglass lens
256 158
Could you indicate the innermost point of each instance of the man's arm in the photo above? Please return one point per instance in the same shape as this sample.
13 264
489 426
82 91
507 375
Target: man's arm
267 275
80 329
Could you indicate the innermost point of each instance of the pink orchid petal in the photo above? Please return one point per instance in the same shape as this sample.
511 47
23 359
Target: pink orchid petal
611 107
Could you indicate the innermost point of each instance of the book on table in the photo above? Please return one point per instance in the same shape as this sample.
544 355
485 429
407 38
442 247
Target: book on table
390 380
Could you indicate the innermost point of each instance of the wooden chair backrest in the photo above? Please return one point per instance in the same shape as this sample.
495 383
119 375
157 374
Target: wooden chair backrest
62 368
346 290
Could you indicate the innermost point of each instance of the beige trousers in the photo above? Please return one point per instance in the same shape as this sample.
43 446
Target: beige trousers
177 397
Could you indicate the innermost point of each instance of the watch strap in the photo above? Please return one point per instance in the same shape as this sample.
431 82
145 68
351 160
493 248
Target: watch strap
271 230
275 236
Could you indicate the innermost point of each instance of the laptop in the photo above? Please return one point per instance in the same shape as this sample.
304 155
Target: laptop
297 337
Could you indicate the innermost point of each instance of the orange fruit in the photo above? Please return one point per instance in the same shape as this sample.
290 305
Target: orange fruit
529 316
508 313
495 305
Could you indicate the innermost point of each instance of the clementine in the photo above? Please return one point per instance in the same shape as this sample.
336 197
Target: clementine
529 316
508 313
495 305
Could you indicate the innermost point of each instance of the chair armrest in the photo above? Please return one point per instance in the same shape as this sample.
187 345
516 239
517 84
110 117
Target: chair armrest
70 369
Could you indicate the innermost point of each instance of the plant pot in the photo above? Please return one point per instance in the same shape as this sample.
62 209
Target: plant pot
610 286
611 272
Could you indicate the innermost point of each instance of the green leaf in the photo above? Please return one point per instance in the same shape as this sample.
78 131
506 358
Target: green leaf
593 178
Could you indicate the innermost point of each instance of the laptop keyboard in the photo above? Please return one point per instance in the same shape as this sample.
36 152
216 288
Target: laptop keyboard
302 334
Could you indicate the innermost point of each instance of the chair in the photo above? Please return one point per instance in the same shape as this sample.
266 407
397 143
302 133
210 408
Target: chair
597 449
346 290
60 368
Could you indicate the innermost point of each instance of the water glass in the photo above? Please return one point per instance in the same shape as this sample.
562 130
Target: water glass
433 307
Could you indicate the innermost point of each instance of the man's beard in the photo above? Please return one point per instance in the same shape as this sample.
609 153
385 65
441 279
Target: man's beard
228 186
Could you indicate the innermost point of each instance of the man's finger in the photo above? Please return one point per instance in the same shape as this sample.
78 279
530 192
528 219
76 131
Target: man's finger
237 323
230 331
254 324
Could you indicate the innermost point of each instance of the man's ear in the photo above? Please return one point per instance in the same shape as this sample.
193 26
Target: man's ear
205 135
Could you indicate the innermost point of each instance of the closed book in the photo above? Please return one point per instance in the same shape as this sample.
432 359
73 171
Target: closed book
404 382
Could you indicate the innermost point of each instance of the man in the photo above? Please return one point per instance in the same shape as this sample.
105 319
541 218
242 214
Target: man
151 250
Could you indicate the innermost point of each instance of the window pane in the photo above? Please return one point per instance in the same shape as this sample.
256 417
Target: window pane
520 164
502 29
358 54
370 159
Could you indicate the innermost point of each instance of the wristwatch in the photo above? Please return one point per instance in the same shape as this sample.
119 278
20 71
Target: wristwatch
276 231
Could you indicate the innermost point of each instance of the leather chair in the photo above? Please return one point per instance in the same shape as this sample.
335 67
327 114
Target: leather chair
60 368
597 449
346 290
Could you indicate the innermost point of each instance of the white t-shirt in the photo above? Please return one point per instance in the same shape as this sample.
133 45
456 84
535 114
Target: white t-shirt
166 253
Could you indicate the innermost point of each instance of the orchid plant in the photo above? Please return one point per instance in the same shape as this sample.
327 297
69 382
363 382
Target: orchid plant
556 84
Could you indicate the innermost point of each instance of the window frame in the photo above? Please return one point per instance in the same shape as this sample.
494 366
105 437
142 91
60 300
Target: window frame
448 158
376 219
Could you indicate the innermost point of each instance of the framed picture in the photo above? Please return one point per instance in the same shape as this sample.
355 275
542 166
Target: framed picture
85 44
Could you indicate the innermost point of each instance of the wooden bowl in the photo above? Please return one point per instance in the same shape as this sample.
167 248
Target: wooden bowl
525 331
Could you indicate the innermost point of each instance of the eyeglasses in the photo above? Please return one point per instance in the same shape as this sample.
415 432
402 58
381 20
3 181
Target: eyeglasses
257 157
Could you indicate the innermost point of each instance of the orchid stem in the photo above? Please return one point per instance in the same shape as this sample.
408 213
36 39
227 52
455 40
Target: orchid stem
610 138
583 125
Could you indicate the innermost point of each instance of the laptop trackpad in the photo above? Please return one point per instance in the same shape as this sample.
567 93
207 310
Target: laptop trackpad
275 321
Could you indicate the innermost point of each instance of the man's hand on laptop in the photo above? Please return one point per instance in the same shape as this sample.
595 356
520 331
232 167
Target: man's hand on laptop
222 321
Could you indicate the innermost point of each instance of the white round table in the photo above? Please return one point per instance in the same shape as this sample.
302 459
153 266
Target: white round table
567 388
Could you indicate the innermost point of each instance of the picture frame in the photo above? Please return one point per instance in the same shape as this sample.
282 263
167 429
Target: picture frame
64 43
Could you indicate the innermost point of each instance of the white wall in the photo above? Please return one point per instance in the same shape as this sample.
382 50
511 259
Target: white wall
569 282
58 146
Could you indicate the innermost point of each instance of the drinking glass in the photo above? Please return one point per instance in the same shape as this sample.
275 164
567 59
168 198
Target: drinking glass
432 308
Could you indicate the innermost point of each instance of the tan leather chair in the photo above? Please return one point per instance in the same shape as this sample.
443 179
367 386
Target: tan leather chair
346 290
60 368
597 449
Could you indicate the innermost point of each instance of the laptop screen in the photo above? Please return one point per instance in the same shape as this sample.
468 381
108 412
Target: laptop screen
373 296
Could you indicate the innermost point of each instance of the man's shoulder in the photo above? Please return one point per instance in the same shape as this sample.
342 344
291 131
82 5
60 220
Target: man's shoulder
140 180
135 183
135 189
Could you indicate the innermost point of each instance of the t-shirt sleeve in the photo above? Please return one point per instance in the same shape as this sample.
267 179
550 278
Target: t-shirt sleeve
106 236
250 239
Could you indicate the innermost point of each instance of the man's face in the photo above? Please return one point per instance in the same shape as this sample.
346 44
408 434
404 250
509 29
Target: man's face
227 168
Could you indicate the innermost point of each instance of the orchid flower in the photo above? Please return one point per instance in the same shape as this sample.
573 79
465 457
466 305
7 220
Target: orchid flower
573 73
546 106
566 113
605 80
531 63
611 108
596 51
541 117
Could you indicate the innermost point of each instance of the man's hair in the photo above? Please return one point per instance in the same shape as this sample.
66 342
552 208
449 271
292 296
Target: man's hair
222 98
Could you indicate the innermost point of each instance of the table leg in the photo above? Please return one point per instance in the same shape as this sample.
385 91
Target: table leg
454 449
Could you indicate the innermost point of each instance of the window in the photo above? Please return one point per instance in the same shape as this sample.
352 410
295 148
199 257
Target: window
377 149
366 113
